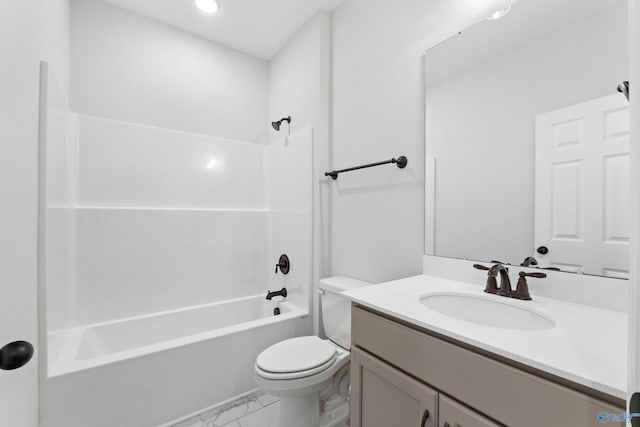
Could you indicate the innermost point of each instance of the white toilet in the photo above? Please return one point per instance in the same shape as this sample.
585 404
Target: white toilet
309 374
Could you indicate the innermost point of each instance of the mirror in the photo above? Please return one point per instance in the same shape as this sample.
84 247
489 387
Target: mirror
527 139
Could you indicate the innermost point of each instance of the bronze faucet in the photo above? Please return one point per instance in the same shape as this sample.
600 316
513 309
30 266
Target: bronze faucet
492 285
505 282
522 289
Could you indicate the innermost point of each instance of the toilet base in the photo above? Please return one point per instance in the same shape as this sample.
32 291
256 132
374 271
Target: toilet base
337 417
303 411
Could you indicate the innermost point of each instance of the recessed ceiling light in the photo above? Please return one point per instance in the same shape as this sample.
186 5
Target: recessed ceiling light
207 6
502 9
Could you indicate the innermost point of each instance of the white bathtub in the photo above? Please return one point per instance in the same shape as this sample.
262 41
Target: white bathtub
103 343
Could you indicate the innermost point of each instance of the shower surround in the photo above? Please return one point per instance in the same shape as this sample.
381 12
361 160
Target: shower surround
160 248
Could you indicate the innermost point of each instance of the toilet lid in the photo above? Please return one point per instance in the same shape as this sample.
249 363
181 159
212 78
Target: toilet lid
296 354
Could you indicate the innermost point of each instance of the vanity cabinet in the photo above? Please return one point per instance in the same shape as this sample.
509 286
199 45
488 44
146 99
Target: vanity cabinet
401 372
388 397
385 396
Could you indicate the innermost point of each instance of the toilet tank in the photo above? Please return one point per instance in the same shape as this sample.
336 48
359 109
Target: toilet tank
336 309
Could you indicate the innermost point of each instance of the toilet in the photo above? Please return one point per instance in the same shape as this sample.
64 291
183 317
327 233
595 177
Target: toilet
311 375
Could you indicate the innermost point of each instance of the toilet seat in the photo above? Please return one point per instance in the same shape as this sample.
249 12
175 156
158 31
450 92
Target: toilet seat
296 384
296 358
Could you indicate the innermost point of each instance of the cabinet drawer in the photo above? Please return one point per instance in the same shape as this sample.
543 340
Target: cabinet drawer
502 392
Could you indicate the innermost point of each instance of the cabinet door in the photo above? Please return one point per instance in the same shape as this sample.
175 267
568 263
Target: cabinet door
382 396
453 414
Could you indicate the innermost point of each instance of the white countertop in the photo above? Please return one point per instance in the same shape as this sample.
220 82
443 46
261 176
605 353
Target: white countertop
588 345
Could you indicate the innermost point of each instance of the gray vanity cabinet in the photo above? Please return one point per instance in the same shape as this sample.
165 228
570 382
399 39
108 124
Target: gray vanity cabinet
382 396
399 371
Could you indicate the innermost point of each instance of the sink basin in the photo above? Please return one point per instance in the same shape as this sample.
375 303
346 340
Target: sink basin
490 310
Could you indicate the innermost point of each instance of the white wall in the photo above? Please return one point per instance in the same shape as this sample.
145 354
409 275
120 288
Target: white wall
299 86
633 375
127 67
30 31
126 165
485 168
377 219
56 28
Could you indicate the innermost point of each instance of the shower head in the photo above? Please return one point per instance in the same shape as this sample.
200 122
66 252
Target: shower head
624 89
276 125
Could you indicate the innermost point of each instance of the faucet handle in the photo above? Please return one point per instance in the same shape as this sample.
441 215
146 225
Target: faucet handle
481 267
536 275
492 283
522 289
283 264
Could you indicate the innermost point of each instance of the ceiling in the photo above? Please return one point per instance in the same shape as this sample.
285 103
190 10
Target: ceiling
257 27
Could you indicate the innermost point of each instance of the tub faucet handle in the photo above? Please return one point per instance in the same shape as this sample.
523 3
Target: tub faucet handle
283 264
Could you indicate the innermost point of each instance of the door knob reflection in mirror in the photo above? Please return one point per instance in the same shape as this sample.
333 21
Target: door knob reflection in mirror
15 355
543 250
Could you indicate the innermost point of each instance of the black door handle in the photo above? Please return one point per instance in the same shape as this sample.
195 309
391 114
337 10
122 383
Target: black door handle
542 250
15 355
425 417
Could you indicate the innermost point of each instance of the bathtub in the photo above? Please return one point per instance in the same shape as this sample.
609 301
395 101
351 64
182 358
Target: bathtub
99 344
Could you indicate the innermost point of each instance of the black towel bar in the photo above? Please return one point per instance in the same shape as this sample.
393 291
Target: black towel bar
401 162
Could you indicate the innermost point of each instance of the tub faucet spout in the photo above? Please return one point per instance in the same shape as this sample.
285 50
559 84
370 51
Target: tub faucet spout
281 293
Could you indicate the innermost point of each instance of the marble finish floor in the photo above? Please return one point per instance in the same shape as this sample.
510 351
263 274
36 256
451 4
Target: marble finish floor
254 410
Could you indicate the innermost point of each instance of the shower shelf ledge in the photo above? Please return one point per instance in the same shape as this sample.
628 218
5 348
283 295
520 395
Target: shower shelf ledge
157 208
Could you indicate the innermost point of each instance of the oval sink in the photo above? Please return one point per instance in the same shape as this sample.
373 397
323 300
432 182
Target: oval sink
488 311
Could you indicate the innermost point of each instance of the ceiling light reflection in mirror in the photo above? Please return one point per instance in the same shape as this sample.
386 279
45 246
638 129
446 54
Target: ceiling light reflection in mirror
207 6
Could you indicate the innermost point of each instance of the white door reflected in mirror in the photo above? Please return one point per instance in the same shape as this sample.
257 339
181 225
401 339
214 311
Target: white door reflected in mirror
582 187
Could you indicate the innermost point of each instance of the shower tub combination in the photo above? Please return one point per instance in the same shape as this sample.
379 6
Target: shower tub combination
159 253
150 370
108 342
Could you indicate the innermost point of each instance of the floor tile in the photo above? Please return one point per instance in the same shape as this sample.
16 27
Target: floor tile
191 422
226 414
267 399
265 417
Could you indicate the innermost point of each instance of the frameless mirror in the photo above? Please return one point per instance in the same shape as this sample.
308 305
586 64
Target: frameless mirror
527 139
